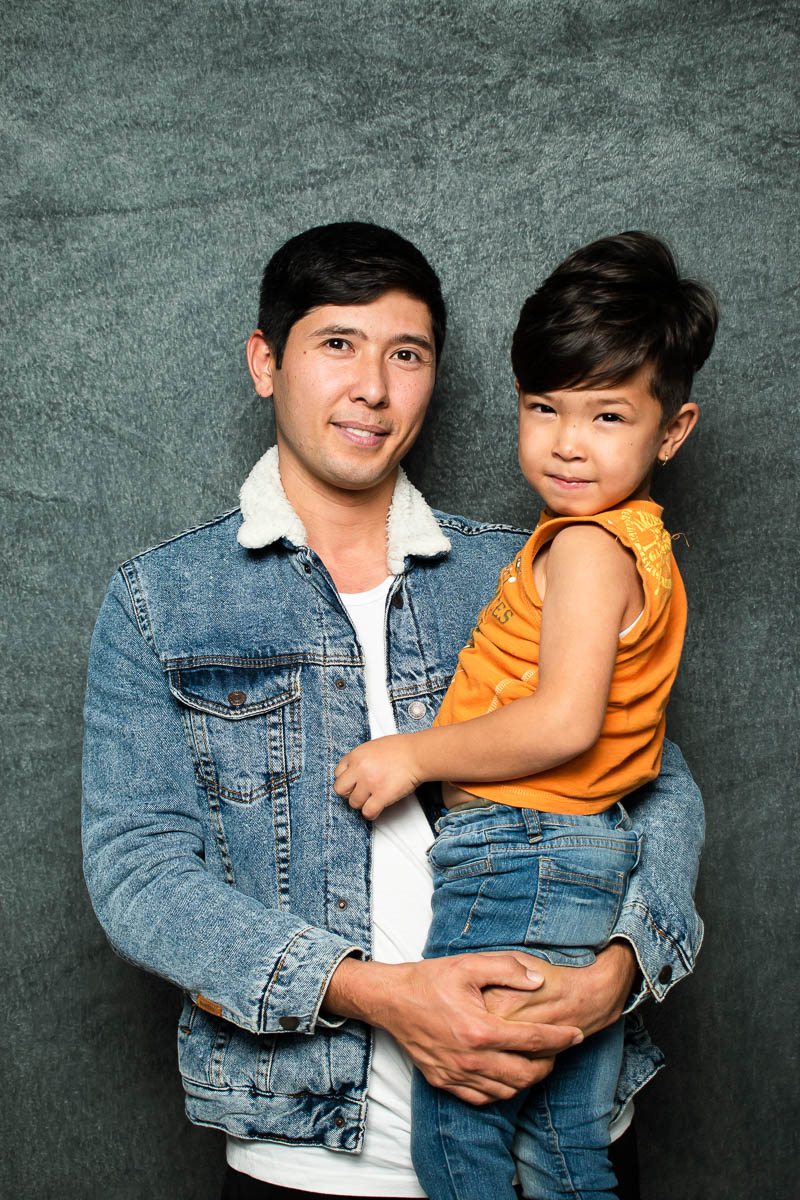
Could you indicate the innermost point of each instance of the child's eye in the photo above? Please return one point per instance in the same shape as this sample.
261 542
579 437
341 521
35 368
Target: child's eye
609 418
538 406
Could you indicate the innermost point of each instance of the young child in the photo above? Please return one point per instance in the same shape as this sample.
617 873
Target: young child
556 710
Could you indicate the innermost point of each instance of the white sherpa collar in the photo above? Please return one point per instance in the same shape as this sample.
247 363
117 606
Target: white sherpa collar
411 527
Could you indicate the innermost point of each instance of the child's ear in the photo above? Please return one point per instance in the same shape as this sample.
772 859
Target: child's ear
677 430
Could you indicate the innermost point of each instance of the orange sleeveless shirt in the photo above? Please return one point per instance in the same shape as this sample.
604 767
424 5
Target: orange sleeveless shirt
500 664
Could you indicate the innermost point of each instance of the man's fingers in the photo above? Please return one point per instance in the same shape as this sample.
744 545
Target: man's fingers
497 1077
471 1095
524 1037
504 968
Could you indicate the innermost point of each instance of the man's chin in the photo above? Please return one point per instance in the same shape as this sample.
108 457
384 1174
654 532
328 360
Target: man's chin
352 475
361 480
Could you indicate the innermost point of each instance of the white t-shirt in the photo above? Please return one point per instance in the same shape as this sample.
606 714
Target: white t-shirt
401 910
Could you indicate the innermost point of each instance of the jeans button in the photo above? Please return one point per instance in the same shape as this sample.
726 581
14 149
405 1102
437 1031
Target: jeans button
416 710
665 974
236 699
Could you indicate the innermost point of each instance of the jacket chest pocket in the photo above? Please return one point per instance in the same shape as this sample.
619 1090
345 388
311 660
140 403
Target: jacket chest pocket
243 723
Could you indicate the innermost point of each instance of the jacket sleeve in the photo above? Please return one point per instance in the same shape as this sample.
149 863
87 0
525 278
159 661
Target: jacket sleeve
658 916
144 845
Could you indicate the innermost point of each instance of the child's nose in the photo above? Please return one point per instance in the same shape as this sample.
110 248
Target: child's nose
567 442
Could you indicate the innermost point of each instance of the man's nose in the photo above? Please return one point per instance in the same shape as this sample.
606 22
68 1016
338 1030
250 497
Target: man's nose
369 385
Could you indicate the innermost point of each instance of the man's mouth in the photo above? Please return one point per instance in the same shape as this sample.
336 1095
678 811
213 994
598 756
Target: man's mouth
360 434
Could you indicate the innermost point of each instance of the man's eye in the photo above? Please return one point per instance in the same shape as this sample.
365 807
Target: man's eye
406 355
336 343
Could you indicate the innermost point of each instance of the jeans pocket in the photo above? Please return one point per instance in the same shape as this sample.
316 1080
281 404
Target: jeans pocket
483 903
579 896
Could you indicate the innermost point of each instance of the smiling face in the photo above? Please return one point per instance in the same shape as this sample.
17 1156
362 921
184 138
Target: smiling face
352 390
587 450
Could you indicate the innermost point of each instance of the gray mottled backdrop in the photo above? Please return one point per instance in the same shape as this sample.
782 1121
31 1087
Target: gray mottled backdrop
155 155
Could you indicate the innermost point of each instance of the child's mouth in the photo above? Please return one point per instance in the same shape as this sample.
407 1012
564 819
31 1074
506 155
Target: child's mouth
569 482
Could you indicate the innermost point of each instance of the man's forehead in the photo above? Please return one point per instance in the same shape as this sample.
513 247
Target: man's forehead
393 301
394 314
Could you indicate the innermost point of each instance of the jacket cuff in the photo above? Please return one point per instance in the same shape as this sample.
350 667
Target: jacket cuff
296 990
662 959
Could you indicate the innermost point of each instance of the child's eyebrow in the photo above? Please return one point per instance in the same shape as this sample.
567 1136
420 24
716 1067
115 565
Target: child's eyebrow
604 401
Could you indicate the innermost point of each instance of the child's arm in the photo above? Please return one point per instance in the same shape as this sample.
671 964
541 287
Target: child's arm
591 582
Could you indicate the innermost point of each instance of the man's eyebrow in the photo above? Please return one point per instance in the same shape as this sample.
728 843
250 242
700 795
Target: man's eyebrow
339 330
416 339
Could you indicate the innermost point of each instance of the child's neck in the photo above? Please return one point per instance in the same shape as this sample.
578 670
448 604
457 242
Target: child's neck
641 495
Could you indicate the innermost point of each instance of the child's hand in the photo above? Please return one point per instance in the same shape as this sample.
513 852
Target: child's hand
376 774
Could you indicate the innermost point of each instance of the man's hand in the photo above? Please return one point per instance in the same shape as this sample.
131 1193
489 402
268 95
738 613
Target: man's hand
377 774
436 1010
590 997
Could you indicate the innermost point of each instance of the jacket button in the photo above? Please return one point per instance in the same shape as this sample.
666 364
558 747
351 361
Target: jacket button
289 1023
339 683
397 600
416 710
665 974
236 699
341 903
338 1122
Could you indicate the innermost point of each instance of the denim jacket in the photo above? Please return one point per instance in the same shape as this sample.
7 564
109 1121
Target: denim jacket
225 682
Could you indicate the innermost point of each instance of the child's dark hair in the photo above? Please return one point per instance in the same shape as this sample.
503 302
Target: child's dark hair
607 310
349 262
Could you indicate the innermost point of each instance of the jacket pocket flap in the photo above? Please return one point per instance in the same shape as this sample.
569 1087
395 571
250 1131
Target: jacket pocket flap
234 690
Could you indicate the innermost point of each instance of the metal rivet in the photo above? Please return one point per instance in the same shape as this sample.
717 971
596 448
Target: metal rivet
341 903
339 683
289 1023
416 710
236 699
397 599
338 1122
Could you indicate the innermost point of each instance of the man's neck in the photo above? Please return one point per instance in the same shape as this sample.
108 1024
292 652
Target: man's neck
347 529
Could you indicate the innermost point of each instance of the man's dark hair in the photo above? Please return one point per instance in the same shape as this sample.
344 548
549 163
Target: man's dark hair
351 262
605 312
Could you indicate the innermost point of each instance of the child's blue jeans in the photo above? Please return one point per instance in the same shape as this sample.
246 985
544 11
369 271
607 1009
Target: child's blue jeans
550 884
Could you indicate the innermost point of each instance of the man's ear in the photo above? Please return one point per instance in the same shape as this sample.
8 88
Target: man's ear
677 430
261 362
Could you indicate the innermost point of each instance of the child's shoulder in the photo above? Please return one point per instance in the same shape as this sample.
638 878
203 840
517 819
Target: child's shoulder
590 543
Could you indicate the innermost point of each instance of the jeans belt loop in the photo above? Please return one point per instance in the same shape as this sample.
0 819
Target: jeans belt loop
533 824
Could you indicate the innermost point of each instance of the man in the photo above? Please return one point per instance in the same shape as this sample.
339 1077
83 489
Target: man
231 667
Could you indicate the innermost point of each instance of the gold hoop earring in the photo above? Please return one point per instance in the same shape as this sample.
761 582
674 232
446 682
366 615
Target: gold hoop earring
662 462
